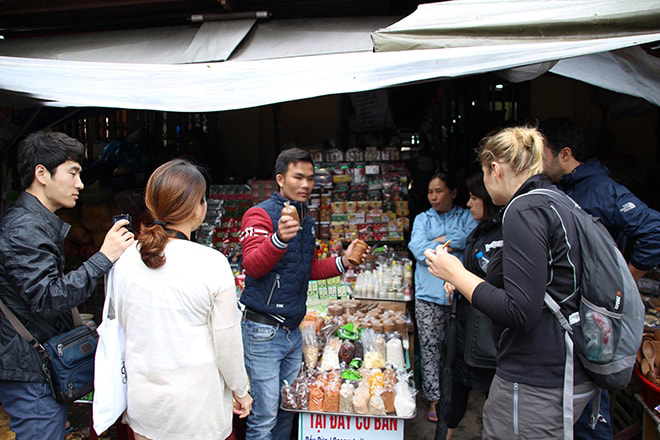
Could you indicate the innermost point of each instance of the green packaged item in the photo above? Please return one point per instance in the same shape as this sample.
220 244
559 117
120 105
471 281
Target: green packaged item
355 363
350 374
348 331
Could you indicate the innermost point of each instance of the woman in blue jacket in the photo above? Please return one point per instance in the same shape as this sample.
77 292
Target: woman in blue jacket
443 223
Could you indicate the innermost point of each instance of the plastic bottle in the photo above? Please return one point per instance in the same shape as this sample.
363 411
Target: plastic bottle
482 260
597 333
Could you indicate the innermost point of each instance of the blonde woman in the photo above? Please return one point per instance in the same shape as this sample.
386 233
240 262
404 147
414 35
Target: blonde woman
540 254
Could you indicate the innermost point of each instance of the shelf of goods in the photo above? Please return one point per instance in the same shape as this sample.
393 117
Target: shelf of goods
356 379
365 199
226 206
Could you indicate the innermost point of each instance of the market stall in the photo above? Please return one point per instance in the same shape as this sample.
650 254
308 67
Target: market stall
356 380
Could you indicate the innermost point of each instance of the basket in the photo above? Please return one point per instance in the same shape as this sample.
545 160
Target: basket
650 391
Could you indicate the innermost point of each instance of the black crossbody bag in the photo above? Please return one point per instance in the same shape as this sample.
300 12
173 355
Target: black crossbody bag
67 359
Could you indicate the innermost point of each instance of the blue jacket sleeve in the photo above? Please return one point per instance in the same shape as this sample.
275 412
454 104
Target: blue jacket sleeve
620 210
418 238
461 230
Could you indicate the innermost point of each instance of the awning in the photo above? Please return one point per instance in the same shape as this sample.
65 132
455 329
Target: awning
466 23
195 43
470 23
280 61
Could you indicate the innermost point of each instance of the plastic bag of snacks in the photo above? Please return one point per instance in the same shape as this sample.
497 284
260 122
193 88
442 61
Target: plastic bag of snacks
389 382
310 344
288 396
346 352
376 404
330 358
404 399
373 357
346 392
316 397
361 398
331 398
301 392
395 356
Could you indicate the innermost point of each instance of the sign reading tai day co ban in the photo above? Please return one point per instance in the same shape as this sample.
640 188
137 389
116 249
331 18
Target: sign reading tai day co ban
320 426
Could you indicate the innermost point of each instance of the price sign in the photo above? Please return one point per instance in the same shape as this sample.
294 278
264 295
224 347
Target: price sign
313 426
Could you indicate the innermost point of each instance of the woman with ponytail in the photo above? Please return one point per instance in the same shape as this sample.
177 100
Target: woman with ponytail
540 254
177 306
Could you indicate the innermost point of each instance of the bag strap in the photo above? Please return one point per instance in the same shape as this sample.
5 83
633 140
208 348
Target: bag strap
19 327
567 404
109 296
75 314
25 333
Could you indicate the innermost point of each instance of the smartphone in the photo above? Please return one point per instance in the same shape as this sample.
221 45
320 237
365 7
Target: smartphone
116 218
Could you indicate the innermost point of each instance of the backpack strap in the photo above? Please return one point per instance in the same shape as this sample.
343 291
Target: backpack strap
567 404
595 411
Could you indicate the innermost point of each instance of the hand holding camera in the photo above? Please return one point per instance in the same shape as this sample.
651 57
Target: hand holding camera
119 237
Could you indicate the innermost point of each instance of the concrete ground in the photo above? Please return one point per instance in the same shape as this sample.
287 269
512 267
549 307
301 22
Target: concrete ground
414 429
420 428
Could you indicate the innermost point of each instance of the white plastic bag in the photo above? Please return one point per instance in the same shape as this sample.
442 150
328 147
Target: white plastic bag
109 373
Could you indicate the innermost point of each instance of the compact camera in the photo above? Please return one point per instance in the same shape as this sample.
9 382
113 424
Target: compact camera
116 218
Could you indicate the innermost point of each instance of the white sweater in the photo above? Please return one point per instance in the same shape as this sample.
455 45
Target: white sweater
184 352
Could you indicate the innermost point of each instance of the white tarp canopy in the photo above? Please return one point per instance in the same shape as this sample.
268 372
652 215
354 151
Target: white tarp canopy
286 60
469 23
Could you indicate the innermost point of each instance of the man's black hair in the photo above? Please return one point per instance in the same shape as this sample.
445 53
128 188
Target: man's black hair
563 132
47 149
289 156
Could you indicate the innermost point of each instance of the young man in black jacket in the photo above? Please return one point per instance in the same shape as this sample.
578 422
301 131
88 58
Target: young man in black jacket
32 282
588 182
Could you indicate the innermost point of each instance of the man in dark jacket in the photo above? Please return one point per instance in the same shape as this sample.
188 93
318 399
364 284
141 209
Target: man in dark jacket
624 215
32 282
279 260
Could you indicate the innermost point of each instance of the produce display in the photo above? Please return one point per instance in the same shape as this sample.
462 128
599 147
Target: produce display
354 363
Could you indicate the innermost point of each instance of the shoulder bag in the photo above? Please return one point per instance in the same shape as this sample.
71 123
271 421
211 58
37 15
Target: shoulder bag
67 358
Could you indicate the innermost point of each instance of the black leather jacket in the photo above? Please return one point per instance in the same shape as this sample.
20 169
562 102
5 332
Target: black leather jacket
33 285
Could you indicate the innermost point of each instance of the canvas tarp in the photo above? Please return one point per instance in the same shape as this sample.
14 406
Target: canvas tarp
268 68
469 23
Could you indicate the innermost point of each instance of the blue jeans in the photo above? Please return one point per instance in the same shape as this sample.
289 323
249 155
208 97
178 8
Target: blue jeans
603 431
33 412
272 355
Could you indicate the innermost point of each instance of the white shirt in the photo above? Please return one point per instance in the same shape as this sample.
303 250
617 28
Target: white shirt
184 351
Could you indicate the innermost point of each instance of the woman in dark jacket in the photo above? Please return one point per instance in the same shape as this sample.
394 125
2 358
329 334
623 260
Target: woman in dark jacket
474 363
540 255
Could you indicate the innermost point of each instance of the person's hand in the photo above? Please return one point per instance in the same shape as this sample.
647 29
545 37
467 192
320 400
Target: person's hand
287 228
117 240
449 291
349 250
442 240
441 263
242 405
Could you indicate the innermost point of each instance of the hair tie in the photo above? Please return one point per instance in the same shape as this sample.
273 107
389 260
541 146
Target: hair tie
160 223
